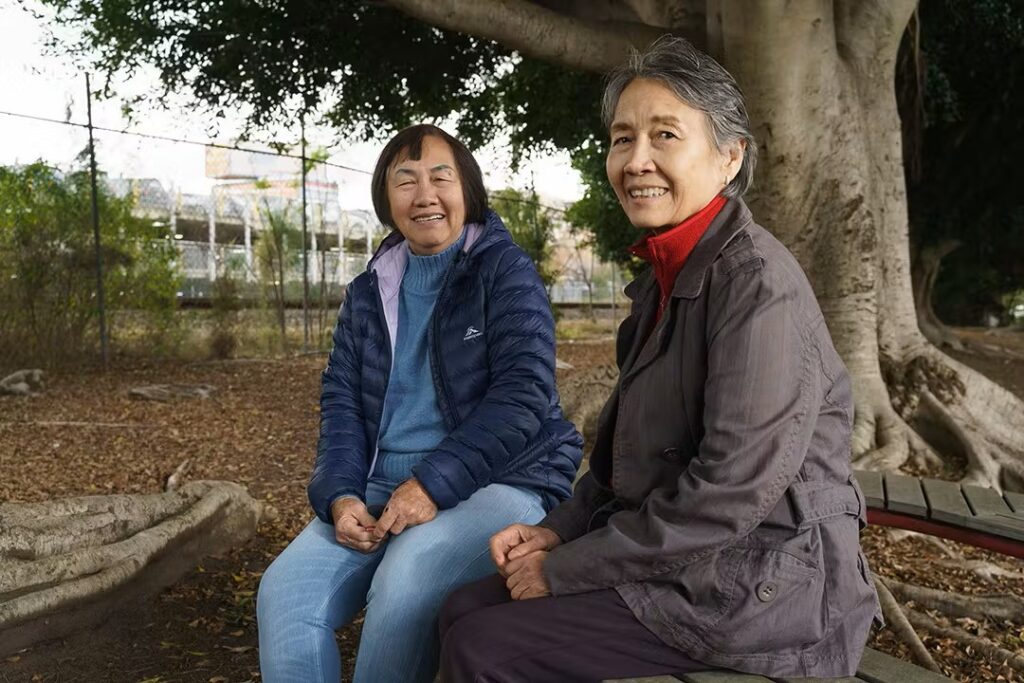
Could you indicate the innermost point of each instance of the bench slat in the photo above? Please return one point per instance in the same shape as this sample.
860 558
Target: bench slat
722 677
985 501
819 680
1008 526
871 485
945 501
904 495
875 667
878 667
1015 501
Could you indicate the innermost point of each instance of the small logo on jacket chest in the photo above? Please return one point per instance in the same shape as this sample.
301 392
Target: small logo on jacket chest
472 333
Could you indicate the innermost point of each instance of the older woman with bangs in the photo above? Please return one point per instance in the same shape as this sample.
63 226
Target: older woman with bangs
718 524
439 425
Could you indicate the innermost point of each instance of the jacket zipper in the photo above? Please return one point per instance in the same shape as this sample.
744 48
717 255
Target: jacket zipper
437 364
391 369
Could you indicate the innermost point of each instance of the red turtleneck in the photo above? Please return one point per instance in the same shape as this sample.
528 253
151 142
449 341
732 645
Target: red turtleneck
668 251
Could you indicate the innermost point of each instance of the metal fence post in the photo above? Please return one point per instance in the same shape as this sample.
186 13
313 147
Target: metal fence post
305 249
104 343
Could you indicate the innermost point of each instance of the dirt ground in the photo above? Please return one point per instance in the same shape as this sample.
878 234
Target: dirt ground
259 429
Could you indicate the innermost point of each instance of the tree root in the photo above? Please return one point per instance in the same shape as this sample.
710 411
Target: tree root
178 476
76 423
22 383
897 621
985 646
998 606
32 531
882 440
982 569
169 392
33 587
929 404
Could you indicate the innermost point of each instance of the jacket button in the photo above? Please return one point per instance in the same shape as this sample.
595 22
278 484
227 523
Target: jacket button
670 455
767 590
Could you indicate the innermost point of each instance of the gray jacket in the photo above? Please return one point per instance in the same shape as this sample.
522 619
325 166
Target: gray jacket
719 501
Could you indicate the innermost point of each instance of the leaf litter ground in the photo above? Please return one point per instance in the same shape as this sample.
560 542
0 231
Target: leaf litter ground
259 429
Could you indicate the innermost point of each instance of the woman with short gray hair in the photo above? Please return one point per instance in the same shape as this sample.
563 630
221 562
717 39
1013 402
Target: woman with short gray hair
718 524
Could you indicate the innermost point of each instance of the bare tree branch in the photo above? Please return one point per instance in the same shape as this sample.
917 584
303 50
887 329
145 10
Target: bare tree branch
684 17
538 32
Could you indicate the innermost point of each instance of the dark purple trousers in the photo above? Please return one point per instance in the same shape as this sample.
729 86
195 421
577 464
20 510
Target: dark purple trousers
486 637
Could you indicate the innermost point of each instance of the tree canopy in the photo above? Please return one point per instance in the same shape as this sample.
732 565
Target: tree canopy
362 68
367 69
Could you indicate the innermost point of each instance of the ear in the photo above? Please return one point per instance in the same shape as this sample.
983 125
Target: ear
732 158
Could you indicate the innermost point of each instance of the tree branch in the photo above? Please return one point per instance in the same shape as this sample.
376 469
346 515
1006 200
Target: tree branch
536 31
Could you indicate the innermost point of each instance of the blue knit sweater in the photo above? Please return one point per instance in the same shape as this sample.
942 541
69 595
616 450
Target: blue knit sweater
412 424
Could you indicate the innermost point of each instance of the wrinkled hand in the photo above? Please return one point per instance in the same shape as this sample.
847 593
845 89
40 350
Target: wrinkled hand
526 576
409 505
353 525
519 540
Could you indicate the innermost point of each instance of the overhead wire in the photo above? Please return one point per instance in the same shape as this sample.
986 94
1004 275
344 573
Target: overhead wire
237 148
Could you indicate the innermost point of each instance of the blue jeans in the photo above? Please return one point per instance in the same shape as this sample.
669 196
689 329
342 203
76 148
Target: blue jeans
317 585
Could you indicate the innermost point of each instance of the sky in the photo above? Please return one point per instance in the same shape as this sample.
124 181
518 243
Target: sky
38 84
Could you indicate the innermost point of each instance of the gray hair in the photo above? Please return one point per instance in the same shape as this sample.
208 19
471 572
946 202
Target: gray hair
699 81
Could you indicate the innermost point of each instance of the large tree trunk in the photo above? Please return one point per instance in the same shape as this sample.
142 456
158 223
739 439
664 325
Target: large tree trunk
819 78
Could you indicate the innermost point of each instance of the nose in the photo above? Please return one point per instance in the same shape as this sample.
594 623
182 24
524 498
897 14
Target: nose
639 160
425 195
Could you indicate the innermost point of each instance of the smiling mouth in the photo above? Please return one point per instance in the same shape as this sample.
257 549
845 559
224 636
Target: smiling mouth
428 219
647 192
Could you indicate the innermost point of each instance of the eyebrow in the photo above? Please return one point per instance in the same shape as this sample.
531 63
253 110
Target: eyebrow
410 172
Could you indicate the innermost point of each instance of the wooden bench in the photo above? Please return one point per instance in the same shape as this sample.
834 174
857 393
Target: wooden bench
875 667
975 515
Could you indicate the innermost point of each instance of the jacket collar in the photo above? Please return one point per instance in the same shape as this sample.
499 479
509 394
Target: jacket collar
733 217
390 260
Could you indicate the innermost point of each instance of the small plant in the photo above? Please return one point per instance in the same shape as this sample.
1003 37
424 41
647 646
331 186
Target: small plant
226 303
278 251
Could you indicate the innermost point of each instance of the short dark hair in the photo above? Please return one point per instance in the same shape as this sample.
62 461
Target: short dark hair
410 141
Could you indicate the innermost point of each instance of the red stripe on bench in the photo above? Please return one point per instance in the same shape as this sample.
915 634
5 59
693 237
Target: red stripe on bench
979 539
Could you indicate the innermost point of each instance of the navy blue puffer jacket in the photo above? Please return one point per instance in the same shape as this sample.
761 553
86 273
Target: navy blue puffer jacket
491 341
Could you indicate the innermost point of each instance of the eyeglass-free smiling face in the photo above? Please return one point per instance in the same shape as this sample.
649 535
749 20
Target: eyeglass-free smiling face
662 163
426 199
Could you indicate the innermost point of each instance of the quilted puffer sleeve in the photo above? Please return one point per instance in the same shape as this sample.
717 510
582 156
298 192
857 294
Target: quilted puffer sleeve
342 464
